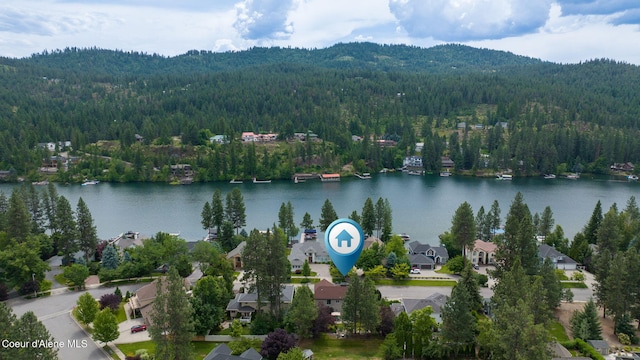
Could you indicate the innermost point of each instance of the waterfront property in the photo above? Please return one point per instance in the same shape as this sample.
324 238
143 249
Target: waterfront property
235 256
330 177
311 251
243 305
560 260
141 302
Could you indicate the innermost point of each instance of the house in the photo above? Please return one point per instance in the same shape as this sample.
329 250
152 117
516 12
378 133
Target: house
235 256
560 260
249 136
502 124
219 139
127 240
311 251
245 304
482 253
436 301
419 147
622 166
386 143
370 241
412 162
420 261
329 294
447 162
356 138
462 125
601 346
141 302
139 138
438 254
223 352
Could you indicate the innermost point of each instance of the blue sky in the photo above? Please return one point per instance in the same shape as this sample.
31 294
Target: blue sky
564 31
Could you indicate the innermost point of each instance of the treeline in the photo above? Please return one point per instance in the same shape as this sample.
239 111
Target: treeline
552 118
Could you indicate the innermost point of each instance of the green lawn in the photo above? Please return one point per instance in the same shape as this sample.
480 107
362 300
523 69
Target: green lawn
299 280
202 348
328 347
574 285
557 331
444 269
416 282
120 314
60 279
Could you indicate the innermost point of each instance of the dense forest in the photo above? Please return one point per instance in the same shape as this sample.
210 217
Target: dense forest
131 116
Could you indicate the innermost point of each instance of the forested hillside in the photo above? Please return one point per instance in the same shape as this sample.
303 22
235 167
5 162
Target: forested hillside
551 118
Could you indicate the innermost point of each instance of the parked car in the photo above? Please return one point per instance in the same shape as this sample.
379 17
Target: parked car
476 267
415 271
138 328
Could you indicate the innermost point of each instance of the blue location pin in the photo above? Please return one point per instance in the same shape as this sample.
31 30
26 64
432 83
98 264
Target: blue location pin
344 240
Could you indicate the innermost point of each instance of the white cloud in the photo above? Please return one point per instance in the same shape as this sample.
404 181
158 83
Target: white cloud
264 19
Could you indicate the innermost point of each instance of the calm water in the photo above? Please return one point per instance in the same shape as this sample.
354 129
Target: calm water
422 206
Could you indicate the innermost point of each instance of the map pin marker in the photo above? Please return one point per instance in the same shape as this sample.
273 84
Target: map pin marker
344 240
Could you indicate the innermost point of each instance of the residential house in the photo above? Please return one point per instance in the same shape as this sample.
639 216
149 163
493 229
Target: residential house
419 147
386 143
141 302
412 162
356 138
601 346
623 167
447 162
420 261
436 301
482 253
235 256
462 125
438 254
5 174
245 304
139 138
502 124
311 251
253 137
223 352
127 240
329 294
219 139
560 260
370 241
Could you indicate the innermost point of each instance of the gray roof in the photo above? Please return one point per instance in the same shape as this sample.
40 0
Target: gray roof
416 247
598 344
436 301
419 259
251 354
223 352
234 304
237 251
298 251
546 251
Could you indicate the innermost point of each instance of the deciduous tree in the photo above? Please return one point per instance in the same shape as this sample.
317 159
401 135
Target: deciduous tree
86 308
105 326
76 274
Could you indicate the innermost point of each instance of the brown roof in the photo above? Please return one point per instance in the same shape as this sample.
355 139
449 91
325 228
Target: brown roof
484 246
326 290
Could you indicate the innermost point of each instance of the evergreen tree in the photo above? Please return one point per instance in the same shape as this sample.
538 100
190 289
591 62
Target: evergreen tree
469 282
481 220
361 307
172 325
355 217
368 217
217 210
303 312
458 323
66 235
327 215
28 329
206 216
50 201
235 209
110 258
307 222
546 222
105 326
591 229
87 233
463 228
551 284
519 240
285 220
210 298
4 207
387 222
18 220
579 249
585 324
493 217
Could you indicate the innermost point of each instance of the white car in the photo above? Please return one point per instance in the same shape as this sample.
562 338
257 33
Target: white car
415 271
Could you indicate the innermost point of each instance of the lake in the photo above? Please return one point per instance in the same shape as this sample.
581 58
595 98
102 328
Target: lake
422 205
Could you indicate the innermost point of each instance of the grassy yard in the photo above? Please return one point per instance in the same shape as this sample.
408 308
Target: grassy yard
416 282
329 348
444 269
120 314
574 285
557 331
60 279
202 348
301 280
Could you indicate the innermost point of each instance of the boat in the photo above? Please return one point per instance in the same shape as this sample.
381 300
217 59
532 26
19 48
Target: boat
256 181
234 181
632 177
404 236
549 176
44 182
445 173
504 177
413 172
90 182
573 176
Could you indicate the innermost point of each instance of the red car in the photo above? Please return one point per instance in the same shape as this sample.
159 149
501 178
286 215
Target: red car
138 328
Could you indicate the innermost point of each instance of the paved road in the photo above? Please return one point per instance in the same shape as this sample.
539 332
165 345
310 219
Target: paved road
54 312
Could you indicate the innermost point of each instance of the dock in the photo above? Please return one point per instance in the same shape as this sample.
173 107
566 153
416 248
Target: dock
364 176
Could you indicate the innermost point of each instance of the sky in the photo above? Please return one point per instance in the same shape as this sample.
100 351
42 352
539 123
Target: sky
561 31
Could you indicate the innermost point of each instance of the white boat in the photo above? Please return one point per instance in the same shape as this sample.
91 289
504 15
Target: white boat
445 173
256 181
413 172
404 236
632 177
90 182
574 176
504 177
234 181
549 176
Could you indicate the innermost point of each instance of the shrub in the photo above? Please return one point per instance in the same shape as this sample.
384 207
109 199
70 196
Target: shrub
29 287
456 264
112 301
578 276
482 279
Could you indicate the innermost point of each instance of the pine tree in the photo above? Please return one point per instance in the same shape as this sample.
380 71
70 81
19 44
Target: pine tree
463 228
66 234
591 230
585 323
368 219
302 312
110 258
307 222
172 325
361 307
458 323
546 222
327 215
493 217
206 216
87 233
217 210
235 209
28 329
18 220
